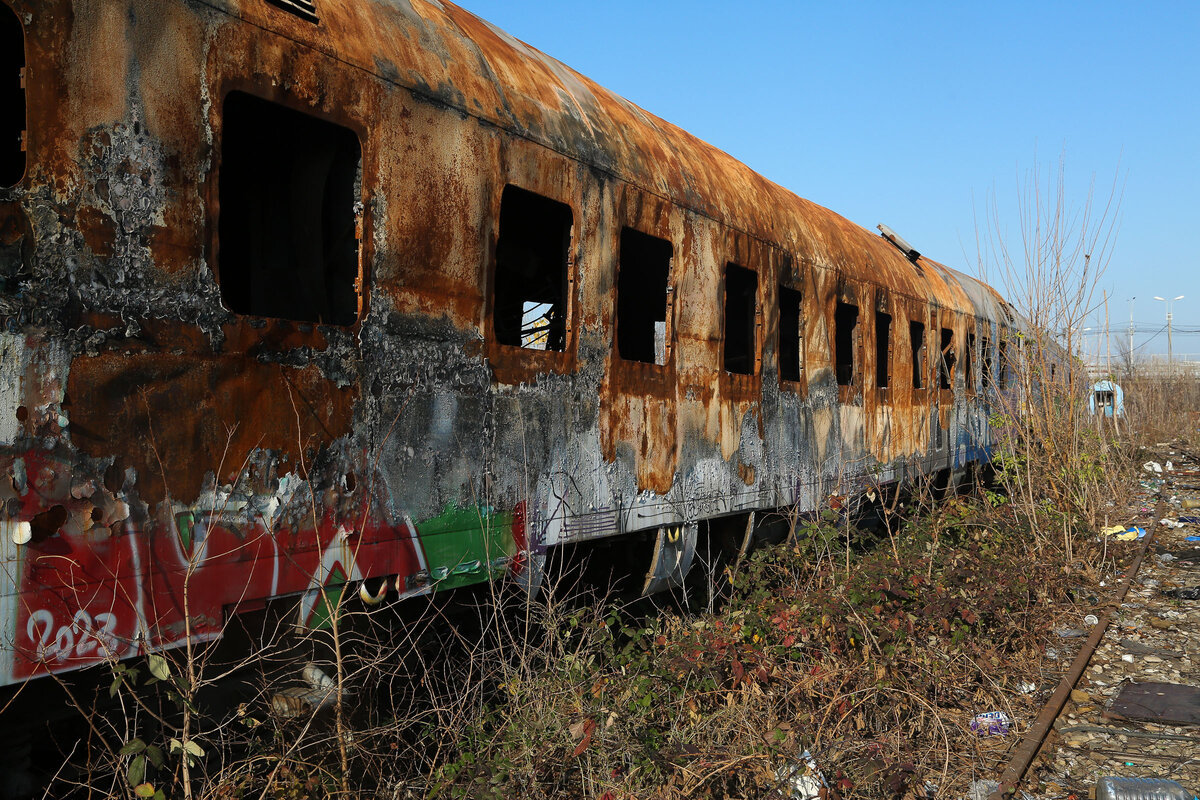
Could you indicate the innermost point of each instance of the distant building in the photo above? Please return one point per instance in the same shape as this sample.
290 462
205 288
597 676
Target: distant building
1107 399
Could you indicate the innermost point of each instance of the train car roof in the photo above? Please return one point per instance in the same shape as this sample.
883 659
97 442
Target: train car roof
446 54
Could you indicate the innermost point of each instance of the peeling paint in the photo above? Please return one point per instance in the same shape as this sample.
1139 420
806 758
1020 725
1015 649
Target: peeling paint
147 432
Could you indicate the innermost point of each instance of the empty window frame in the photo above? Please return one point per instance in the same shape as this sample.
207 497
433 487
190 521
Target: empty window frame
791 334
287 233
916 339
1002 362
845 331
643 278
532 266
883 349
985 363
305 9
946 362
969 362
741 319
12 98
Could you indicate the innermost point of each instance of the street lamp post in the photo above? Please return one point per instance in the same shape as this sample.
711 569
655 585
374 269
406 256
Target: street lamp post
1170 355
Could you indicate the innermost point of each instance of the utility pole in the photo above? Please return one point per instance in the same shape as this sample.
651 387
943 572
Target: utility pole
1170 355
1107 338
1131 332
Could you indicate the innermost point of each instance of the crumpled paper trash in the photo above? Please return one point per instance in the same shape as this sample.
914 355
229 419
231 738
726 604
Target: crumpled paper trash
801 780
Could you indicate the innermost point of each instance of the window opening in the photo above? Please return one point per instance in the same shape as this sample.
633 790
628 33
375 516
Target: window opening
916 337
985 363
946 368
305 9
289 199
791 334
1002 363
883 348
12 98
741 310
845 320
642 281
532 264
969 362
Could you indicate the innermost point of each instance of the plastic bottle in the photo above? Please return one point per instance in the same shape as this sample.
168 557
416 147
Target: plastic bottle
1141 789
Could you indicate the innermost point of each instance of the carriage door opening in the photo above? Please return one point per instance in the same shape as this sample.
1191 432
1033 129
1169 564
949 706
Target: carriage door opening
12 98
288 225
642 288
532 264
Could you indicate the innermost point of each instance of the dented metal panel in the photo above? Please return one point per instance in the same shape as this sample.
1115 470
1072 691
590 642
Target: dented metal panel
148 433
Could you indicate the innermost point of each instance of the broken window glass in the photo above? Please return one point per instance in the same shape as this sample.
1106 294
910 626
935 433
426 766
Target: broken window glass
791 335
288 225
530 295
741 312
642 287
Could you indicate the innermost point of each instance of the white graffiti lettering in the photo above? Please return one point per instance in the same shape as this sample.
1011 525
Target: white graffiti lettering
80 636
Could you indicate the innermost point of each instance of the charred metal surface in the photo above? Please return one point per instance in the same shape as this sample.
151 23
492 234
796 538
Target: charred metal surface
146 430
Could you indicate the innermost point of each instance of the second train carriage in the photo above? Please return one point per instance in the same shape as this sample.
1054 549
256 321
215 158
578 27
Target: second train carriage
298 294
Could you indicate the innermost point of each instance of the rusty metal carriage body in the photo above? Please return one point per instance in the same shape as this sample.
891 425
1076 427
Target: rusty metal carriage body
178 419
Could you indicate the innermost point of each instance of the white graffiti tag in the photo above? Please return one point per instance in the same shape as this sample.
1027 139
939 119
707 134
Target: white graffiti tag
79 638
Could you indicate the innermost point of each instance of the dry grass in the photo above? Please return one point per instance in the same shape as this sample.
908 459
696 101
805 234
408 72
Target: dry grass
878 676
876 671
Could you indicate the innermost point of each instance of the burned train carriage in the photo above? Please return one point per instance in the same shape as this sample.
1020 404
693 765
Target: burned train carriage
306 294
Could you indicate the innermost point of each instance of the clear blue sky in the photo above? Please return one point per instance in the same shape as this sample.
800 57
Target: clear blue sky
913 114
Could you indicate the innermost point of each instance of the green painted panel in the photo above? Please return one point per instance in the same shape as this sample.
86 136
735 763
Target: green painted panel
463 545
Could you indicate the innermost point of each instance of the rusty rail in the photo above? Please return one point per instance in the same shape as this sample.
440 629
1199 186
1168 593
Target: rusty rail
1023 757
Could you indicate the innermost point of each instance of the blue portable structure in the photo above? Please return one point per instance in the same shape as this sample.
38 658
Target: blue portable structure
1107 398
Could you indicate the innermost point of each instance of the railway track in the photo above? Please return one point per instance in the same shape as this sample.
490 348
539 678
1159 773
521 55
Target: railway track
1129 704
